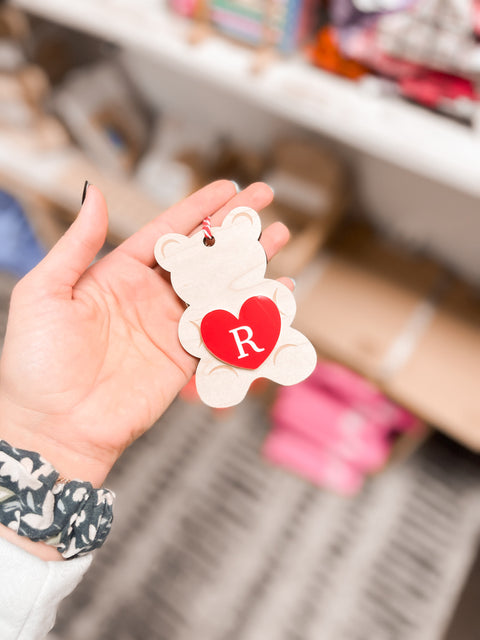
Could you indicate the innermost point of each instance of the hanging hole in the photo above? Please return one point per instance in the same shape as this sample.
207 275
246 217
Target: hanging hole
209 242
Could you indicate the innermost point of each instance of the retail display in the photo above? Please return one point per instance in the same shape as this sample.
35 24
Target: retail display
343 294
428 47
284 24
429 43
392 558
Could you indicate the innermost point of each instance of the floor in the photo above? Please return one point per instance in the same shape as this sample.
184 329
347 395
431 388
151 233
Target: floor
465 624
212 543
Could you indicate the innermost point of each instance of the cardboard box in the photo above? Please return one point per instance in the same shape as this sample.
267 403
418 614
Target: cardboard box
363 298
441 379
403 322
310 198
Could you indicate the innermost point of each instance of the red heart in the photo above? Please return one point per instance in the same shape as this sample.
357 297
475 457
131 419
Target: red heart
246 341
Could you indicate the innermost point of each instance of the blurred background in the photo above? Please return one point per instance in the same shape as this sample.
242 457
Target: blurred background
346 507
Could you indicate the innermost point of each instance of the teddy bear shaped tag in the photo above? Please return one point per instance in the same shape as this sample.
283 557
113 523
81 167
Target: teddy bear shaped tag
238 323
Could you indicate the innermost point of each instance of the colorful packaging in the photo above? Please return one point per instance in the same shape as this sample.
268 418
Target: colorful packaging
335 428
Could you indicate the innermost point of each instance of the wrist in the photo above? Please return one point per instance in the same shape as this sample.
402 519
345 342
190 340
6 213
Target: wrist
34 431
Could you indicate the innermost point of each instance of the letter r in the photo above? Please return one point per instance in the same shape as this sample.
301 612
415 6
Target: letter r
247 340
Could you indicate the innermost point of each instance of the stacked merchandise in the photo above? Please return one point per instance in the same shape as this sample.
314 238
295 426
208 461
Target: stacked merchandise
335 428
423 50
24 87
278 22
283 24
426 48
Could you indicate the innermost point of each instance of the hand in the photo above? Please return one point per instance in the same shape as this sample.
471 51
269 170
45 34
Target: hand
91 356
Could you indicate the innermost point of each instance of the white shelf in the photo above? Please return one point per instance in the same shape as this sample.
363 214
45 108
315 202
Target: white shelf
403 134
57 176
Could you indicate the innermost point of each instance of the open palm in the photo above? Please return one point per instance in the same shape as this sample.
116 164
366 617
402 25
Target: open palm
91 356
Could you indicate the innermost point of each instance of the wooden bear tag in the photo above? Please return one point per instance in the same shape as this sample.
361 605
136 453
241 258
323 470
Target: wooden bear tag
237 322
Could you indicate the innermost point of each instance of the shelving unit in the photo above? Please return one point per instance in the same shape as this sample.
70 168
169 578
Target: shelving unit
379 128
384 127
391 136
56 177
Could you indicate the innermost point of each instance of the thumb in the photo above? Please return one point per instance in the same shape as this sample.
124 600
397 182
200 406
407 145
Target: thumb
63 266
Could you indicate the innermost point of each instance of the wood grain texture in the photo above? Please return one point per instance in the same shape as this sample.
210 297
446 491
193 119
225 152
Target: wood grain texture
224 276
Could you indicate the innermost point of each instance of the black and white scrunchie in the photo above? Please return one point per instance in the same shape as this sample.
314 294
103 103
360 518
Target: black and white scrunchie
72 516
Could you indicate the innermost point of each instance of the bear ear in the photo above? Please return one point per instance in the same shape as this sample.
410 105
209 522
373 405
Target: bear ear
244 216
167 249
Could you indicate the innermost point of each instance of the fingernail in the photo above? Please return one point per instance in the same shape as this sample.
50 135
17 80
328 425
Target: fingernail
235 184
84 193
294 282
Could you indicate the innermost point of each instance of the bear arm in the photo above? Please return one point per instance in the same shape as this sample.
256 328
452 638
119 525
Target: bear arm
284 299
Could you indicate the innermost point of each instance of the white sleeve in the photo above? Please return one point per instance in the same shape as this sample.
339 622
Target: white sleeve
31 590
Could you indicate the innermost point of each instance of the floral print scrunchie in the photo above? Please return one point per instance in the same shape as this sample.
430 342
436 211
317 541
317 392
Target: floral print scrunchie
35 502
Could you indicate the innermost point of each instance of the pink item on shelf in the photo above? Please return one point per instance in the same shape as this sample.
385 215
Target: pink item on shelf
476 17
184 8
363 396
334 428
291 452
326 421
432 87
361 44
436 34
246 27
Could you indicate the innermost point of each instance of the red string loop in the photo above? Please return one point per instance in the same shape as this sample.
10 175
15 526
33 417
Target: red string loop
208 239
207 228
